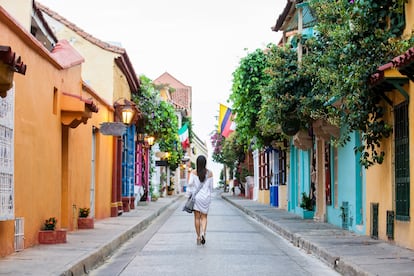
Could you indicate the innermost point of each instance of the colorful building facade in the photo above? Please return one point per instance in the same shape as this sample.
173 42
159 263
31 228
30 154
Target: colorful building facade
55 112
108 69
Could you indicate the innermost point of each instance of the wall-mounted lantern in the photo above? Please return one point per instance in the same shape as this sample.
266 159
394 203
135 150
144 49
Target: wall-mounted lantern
150 140
126 111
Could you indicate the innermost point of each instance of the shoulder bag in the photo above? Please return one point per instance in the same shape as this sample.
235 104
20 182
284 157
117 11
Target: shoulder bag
189 205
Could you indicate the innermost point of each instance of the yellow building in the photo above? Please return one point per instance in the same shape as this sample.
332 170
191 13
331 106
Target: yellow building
389 189
108 70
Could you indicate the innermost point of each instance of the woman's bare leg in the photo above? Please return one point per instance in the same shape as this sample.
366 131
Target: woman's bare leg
197 223
203 226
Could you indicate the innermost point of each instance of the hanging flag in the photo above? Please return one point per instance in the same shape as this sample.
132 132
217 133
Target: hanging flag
226 124
184 136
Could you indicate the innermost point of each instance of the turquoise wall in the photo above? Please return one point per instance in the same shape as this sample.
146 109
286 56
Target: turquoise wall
350 188
299 178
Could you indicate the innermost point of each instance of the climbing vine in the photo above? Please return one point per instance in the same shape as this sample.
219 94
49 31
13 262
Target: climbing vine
248 80
159 120
353 39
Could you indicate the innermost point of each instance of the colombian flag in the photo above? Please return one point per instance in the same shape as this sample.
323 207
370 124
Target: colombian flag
225 121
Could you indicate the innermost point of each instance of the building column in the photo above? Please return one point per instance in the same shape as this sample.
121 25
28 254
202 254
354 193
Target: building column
320 214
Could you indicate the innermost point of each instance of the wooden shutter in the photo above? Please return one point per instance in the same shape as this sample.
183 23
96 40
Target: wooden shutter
402 162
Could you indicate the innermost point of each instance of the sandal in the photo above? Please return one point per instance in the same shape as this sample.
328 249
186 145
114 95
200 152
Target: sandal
203 239
198 241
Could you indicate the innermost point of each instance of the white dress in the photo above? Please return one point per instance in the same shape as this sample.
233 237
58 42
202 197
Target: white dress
203 197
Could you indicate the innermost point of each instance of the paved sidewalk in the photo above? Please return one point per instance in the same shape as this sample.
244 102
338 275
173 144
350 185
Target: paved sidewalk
348 253
84 248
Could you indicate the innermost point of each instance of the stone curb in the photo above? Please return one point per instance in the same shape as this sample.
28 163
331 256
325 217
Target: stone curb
82 266
333 261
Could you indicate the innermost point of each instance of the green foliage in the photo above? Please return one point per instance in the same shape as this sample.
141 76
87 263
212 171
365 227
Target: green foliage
159 120
84 212
289 96
306 202
248 80
50 224
227 151
354 38
233 150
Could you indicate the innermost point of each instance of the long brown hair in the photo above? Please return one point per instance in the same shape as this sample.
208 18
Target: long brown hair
201 167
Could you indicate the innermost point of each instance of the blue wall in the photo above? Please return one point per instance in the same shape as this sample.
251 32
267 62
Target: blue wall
350 188
299 178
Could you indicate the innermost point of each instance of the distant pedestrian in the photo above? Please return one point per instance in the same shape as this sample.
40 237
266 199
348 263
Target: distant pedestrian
204 177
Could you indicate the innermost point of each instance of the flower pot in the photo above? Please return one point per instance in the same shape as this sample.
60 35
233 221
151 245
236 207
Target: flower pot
307 214
291 125
52 236
85 223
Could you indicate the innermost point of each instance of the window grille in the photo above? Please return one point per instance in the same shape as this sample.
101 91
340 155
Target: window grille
345 214
390 225
19 234
374 220
264 171
281 174
7 156
402 162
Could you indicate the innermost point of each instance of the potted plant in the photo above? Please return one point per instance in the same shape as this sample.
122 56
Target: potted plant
49 234
154 195
50 224
85 222
307 207
84 212
170 189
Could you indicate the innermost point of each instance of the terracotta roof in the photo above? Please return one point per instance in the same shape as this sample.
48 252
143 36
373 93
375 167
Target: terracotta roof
403 63
8 57
79 31
122 62
167 78
181 97
66 54
27 38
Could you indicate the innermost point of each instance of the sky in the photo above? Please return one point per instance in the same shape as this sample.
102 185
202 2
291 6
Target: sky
200 43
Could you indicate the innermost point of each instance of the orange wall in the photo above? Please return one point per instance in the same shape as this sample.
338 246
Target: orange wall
37 144
38 149
80 167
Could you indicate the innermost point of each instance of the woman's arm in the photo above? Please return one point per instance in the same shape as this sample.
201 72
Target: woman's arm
190 185
210 181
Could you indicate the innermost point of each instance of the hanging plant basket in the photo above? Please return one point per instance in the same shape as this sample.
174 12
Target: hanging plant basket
291 126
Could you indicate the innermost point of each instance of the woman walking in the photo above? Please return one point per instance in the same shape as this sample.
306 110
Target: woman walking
202 177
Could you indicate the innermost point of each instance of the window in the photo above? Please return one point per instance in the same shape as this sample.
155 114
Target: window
7 156
281 174
263 171
402 162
